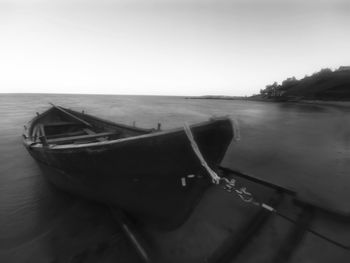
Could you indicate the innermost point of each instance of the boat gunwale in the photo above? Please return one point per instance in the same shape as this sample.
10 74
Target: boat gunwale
38 145
124 126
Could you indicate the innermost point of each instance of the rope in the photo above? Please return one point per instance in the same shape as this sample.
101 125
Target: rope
214 177
336 243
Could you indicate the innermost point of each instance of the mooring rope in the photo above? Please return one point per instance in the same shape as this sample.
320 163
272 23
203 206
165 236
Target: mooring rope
214 177
243 194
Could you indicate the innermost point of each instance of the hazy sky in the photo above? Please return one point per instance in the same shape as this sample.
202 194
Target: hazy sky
167 47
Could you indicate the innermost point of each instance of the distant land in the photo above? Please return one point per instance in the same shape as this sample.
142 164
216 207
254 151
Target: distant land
325 85
218 97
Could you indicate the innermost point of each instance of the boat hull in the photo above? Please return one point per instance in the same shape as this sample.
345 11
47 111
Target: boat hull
156 178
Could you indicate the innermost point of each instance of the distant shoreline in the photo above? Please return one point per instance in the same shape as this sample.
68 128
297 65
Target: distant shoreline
343 103
217 97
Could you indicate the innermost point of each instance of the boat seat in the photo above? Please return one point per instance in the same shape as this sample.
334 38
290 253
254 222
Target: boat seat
63 123
66 134
88 131
81 137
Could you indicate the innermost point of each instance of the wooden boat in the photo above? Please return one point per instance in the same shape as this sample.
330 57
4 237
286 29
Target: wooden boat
153 175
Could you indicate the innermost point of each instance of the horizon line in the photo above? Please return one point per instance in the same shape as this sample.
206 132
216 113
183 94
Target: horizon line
109 94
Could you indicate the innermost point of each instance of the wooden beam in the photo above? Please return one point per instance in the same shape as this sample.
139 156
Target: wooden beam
295 236
62 123
226 170
132 235
81 137
42 131
235 243
71 115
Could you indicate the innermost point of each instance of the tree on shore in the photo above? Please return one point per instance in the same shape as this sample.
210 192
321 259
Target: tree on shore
270 90
275 90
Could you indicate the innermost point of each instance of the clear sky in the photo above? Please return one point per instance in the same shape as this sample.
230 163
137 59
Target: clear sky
167 47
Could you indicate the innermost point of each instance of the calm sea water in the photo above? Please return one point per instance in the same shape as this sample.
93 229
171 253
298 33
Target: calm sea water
304 147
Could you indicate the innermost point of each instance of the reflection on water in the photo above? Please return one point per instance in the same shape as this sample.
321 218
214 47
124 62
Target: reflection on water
301 146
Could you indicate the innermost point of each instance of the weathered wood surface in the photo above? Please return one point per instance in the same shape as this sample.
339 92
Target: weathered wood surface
81 137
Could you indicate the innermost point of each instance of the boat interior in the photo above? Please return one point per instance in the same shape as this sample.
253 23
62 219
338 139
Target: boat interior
63 126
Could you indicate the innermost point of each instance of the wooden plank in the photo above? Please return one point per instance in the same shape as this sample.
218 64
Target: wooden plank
34 132
73 138
226 170
61 123
234 244
42 136
298 200
295 236
88 131
66 134
71 115
91 132
131 234
42 131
